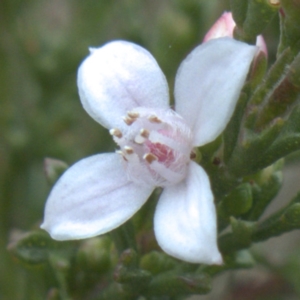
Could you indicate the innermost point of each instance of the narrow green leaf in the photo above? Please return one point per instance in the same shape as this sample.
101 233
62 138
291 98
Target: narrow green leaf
157 262
259 14
274 75
239 11
32 247
238 202
242 232
290 25
248 157
263 194
172 284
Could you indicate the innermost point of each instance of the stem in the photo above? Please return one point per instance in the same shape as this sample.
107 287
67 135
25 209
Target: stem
124 237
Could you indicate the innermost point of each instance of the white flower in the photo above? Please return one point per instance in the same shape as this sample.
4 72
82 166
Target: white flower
122 87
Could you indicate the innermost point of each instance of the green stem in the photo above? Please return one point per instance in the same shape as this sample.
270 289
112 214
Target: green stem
284 220
124 237
60 269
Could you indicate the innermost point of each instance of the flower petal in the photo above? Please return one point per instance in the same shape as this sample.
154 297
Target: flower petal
91 198
118 77
185 220
208 84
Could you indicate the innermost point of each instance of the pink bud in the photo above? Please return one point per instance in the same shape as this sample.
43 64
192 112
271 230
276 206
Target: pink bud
260 42
224 27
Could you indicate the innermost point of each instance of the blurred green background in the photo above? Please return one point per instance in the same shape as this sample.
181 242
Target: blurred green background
41 46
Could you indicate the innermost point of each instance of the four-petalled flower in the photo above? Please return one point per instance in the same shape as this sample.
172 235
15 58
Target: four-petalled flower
122 87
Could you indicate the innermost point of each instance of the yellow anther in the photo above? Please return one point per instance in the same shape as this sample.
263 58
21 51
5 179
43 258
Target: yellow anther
144 133
149 158
128 120
133 114
154 119
116 132
128 150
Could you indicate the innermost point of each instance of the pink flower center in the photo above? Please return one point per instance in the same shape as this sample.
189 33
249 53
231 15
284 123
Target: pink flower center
156 146
163 153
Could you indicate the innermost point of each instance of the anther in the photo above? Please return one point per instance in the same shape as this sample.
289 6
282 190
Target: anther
128 120
144 133
133 114
115 132
149 158
128 150
154 119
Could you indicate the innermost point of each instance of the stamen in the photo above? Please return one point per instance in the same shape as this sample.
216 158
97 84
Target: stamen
139 139
133 114
128 150
149 157
166 172
144 133
131 117
128 120
122 154
154 119
116 132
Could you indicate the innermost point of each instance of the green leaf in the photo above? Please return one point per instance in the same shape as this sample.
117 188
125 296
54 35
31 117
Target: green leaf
129 274
239 11
283 97
294 72
279 223
258 70
95 255
239 201
157 262
232 130
291 217
173 284
124 237
242 232
274 75
254 16
290 25
264 192
32 248
249 157
238 260
259 14
287 141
